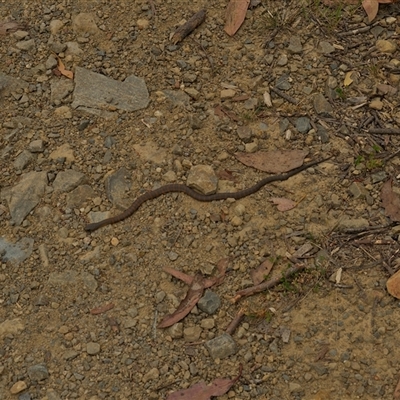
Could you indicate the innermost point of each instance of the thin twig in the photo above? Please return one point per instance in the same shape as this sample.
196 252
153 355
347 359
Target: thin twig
235 322
284 95
384 131
267 285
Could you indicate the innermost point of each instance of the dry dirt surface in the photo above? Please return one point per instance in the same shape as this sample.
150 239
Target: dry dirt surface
79 311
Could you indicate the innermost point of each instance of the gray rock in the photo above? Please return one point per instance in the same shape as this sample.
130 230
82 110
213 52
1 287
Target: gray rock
80 195
192 333
322 134
295 45
11 327
38 372
203 179
9 84
68 180
117 186
283 125
221 347
85 23
92 348
23 160
378 176
325 47
70 355
295 387
322 106
245 133
283 83
282 60
96 91
176 97
176 330
60 89
303 124
52 395
58 47
36 146
51 63
353 223
209 303
357 190
25 196
89 281
18 252
26 45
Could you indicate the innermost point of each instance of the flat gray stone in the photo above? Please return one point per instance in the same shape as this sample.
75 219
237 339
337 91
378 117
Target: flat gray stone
60 89
117 186
11 327
79 196
10 84
209 303
96 91
68 180
203 179
221 347
16 253
322 106
24 197
38 372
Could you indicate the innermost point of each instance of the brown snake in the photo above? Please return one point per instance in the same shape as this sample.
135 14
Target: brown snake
176 187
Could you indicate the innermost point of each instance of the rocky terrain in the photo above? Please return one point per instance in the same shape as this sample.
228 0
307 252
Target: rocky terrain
79 311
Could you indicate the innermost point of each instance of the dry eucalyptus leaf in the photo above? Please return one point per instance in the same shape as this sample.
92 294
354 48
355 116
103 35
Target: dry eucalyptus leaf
63 70
393 285
235 15
275 161
260 273
202 391
283 204
192 297
390 201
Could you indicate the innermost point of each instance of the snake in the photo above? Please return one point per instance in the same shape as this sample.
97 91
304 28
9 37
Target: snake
178 187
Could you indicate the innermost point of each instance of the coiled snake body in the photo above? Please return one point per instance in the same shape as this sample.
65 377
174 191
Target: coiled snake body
175 187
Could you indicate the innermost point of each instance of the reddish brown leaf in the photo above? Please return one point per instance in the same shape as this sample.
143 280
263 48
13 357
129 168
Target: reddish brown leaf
217 280
275 161
202 391
63 71
259 273
10 26
235 15
393 285
371 8
101 309
179 275
283 204
390 201
225 175
192 297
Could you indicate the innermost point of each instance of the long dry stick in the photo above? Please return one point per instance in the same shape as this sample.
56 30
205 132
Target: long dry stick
267 285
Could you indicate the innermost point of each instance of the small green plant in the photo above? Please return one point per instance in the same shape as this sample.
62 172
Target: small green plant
359 160
287 285
340 92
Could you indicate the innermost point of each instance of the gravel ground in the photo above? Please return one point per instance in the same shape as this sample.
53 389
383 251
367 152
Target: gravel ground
311 337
